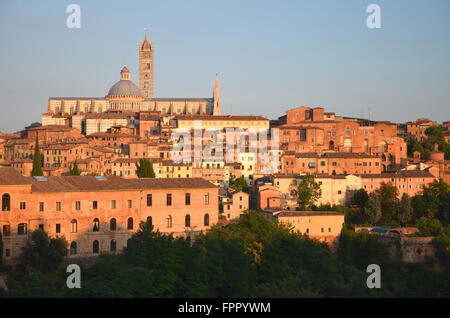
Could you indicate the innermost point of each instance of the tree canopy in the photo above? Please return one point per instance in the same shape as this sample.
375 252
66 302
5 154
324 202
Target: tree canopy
145 169
37 164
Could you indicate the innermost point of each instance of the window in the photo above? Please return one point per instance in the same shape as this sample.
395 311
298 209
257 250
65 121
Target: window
22 229
206 219
112 224
169 222
113 245
58 228
149 200
73 226
6 202
96 225
188 199
95 247
94 205
41 206
329 229
73 248
168 199
187 220
113 204
58 206
348 145
6 230
77 205
129 204
207 198
130 224
22 205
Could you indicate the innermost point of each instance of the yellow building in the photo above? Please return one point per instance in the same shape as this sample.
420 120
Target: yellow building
322 225
335 189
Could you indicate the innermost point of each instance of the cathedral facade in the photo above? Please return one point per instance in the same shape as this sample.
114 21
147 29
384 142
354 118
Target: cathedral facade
126 96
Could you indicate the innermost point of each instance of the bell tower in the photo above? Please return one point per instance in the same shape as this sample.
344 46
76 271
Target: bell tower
146 68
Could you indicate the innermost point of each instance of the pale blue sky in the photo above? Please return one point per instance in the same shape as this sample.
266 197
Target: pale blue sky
271 55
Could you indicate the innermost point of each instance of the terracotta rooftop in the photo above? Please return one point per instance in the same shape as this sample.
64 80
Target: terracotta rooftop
400 174
223 117
9 176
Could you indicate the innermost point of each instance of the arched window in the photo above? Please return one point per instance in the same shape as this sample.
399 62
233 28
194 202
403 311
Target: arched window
96 225
73 226
130 224
187 220
112 225
348 145
331 145
113 246
206 219
95 247
73 248
169 222
6 202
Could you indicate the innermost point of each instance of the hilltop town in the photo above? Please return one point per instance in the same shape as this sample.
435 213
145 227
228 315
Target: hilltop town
91 186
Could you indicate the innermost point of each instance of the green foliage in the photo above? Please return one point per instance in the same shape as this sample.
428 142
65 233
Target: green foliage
308 192
373 209
145 169
73 170
239 184
429 227
360 198
43 254
434 136
405 212
389 202
37 164
254 257
361 249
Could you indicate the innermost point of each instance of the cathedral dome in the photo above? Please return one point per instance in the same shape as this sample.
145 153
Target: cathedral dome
124 87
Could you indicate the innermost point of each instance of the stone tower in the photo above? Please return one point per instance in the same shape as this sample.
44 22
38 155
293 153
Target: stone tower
146 68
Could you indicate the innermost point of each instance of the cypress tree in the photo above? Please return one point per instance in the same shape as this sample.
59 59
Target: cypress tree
145 169
73 170
37 164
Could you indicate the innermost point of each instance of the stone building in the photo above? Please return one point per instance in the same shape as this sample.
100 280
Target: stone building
99 214
127 96
305 129
324 226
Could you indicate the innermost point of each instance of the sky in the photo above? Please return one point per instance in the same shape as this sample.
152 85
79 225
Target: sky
270 55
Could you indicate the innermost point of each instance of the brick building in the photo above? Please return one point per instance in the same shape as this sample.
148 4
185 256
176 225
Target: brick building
99 214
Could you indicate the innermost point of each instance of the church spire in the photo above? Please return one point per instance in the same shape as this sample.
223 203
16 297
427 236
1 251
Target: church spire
146 68
216 96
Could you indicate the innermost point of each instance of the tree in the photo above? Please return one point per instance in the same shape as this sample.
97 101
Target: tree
373 209
43 253
145 169
405 211
308 192
360 198
239 184
387 194
73 170
429 227
37 164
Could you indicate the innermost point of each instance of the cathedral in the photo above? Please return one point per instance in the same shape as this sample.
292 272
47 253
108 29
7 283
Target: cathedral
126 96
